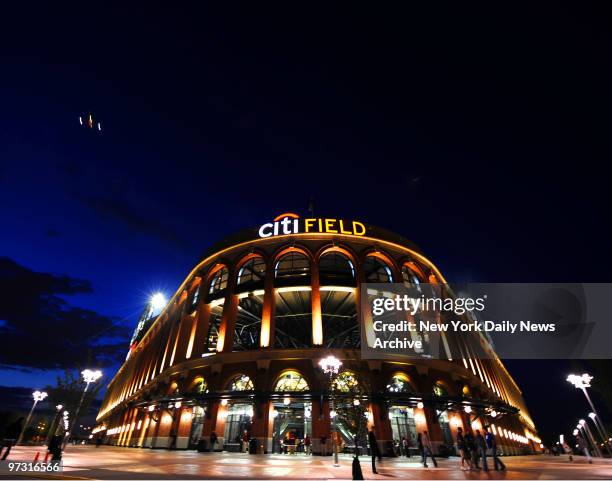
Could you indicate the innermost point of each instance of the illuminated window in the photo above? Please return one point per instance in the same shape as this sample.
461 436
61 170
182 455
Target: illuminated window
293 265
439 390
252 272
410 277
336 269
346 381
214 323
291 382
399 383
339 318
375 270
241 383
219 281
194 299
293 318
199 385
247 327
465 391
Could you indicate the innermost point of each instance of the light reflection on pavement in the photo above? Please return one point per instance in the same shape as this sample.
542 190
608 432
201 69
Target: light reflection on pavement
87 462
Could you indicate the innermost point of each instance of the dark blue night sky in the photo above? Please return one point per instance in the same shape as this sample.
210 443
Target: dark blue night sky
480 133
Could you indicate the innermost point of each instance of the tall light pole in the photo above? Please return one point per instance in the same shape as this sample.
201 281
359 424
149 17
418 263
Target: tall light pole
582 382
593 417
89 376
54 424
587 430
38 396
331 366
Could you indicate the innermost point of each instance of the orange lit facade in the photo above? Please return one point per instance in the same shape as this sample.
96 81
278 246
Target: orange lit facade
237 348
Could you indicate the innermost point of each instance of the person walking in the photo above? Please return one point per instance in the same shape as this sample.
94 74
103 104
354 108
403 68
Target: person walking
583 446
374 451
427 450
213 441
481 446
13 431
307 444
492 445
55 447
568 451
405 448
471 445
463 450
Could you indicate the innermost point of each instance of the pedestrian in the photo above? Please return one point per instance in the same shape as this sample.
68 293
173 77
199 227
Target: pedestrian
481 446
213 441
427 450
471 445
584 447
405 447
374 451
463 451
98 441
246 437
307 444
567 450
492 445
13 431
55 447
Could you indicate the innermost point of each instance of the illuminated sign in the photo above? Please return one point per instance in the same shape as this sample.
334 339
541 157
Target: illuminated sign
290 223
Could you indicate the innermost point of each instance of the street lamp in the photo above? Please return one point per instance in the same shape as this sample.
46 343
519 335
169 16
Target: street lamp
55 424
331 366
582 382
38 396
597 422
582 423
89 376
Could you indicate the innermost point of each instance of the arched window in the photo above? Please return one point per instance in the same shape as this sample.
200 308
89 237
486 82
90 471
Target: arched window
199 385
241 383
252 272
293 265
335 268
291 381
465 391
219 281
376 270
439 389
399 383
346 381
410 277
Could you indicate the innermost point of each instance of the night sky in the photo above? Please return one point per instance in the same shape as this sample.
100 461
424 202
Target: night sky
480 132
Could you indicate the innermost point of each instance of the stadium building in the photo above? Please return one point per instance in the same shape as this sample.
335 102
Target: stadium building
237 349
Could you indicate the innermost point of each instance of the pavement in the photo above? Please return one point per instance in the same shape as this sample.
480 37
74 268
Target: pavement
106 462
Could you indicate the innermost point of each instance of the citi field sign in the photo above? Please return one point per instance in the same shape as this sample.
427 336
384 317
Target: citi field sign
290 223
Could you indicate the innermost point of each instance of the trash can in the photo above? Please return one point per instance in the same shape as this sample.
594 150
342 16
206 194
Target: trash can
253 446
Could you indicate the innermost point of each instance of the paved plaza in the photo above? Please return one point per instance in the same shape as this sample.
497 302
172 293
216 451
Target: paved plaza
87 462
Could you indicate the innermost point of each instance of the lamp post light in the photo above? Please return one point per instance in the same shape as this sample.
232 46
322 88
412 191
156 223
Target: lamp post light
589 434
604 438
331 366
89 376
582 382
55 424
38 396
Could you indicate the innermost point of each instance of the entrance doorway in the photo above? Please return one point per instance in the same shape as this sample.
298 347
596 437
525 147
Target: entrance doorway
292 423
237 422
403 426
197 423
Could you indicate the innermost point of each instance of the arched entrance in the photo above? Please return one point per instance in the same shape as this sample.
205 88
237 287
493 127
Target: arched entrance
197 387
401 415
238 416
292 415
